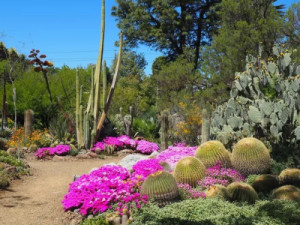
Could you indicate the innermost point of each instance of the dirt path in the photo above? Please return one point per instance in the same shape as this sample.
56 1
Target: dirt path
36 199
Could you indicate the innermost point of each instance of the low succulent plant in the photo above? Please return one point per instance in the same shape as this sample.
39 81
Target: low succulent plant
290 176
210 152
265 183
160 186
217 191
242 192
287 192
189 170
251 156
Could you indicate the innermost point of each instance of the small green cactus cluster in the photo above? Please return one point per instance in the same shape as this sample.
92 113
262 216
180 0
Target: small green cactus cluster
250 156
210 152
265 183
287 192
242 192
290 176
264 103
217 191
160 186
189 170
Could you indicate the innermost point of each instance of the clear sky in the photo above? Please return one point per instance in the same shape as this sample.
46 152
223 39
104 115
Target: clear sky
67 31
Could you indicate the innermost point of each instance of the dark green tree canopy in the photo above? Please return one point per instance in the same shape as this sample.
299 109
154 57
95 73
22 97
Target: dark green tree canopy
169 26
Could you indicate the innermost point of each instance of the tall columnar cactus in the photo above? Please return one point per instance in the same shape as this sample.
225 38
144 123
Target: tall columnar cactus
242 192
128 121
189 170
205 131
265 183
290 176
28 122
164 126
210 152
250 156
104 84
287 192
160 186
78 112
217 191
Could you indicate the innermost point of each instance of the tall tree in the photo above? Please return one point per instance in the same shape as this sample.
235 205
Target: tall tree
169 26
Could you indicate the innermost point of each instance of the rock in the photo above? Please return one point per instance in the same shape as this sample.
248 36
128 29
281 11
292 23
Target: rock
57 158
83 156
76 177
90 217
24 149
130 160
125 152
92 155
138 138
153 155
33 148
10 169
12 151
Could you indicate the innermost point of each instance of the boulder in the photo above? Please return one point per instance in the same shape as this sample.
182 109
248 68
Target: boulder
125 152
129 160
57 158
92 155
83 156
98 150
153 155
12 151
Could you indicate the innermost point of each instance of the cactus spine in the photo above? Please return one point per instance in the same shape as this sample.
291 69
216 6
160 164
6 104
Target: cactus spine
290 176
28 122
242 192
287 192
217 191
205 130
265 183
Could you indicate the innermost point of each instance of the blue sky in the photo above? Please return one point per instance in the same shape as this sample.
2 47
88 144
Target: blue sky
67 31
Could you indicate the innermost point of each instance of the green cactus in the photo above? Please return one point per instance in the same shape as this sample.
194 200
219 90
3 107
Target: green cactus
189 170
265 183
104 84
287 192
250 156
210 152
290 176
160 186
28 122
217 191
205 130
164 126
242 192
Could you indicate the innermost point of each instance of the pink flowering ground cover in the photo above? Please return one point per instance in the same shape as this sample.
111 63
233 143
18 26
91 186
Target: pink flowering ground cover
143 168
218 174
188 192
124 141
51 151
109 187
174 153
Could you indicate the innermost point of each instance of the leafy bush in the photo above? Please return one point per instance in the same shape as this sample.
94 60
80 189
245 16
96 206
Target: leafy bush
4 180
99 220
5 132
218 212
147 128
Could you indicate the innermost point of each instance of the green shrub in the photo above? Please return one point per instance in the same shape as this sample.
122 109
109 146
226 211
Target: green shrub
99 220
219 212
210 152
4 180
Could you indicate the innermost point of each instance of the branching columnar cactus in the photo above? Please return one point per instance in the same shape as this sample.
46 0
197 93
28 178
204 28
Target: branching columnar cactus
189 170
265 183
242 192
210 152
264 103
287 192
290 176
250 156
217 191
160 186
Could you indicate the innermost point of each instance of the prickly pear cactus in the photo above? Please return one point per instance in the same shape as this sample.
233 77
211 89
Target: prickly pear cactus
264 103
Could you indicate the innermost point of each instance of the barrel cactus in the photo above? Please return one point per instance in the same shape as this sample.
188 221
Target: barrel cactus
290 176
210 152
160 186
287 192
250 156
189 170
265 183
242 192
217 191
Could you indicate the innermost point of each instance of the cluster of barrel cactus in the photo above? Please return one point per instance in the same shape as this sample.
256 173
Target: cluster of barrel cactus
264 102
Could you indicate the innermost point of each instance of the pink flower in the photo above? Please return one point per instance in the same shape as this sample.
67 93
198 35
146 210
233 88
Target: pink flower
146 147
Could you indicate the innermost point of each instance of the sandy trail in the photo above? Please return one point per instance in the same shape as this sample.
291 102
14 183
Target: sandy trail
36 199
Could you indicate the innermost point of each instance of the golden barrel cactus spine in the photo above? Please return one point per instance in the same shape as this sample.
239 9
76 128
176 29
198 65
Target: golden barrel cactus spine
242 192
287 192
217 191
189 170
250 156
290 176
210 152
265 183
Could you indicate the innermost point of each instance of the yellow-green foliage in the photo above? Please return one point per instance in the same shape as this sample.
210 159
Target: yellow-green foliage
250 156
211 152
160 186
4 180
290 176
242 192
189 170
287 192
217 191
265 183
